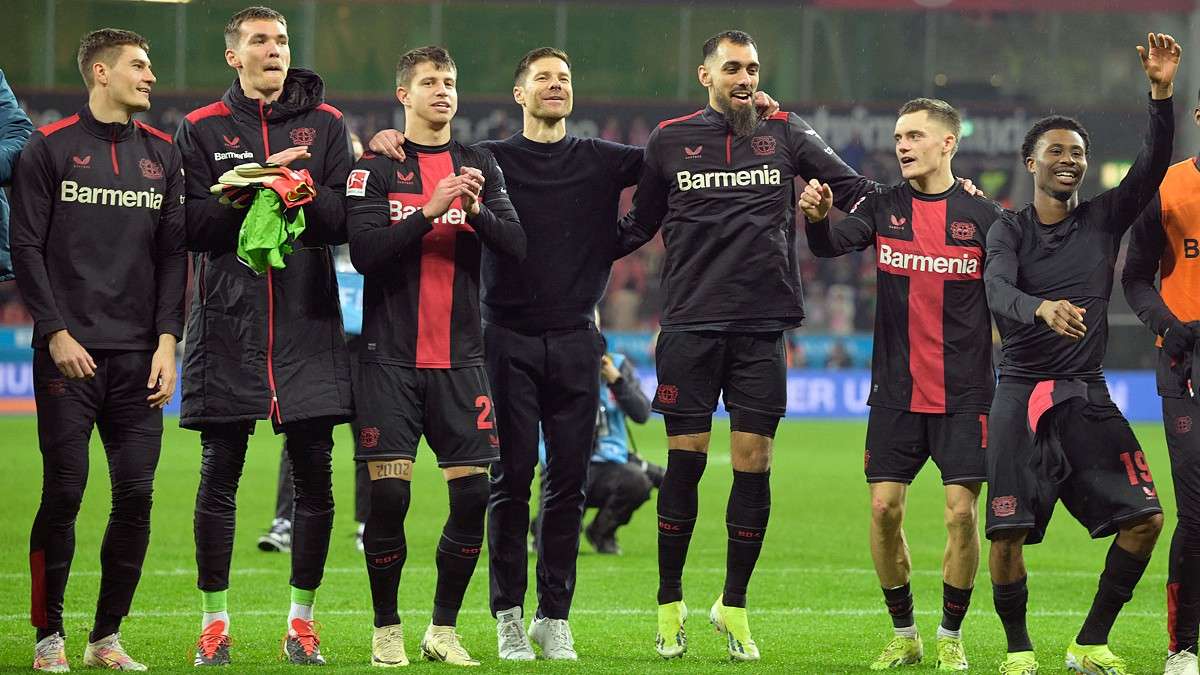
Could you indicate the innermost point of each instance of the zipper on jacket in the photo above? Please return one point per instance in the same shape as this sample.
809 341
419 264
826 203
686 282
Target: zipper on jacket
274 409
728 149
113 145
262 116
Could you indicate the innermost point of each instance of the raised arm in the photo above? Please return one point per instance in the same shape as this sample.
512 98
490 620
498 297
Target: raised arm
1122 204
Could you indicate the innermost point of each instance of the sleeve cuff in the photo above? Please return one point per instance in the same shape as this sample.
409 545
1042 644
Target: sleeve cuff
170 328
42 329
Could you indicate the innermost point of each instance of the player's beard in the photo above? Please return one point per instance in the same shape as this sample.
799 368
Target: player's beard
743 118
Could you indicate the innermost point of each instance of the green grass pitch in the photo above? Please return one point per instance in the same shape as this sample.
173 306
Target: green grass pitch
815 606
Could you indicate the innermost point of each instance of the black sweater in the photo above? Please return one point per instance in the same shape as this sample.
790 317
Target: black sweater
1029 261
566 195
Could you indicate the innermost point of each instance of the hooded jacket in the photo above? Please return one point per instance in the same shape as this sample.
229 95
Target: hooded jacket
15 129
265 346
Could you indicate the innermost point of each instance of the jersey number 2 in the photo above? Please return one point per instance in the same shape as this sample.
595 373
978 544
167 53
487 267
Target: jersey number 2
484 404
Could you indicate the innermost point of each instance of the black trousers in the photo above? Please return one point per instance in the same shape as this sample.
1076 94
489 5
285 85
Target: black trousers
114 401
310 445
616 491
552 378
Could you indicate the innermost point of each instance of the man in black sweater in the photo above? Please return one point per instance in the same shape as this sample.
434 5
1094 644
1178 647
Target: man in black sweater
97 233
1056 433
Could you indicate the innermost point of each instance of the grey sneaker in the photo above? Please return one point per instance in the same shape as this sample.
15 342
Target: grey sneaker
511 641
278 539
554 637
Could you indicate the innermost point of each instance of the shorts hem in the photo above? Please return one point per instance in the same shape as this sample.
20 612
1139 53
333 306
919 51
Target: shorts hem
1114 523
482 461
385 457
737 406
890 479
676 413
1024 525
958 480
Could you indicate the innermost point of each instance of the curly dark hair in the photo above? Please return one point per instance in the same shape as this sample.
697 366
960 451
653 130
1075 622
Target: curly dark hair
1045 124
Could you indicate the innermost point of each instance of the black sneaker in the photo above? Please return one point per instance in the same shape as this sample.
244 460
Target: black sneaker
278 538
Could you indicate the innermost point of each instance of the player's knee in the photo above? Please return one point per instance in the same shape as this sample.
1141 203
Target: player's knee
133 498
753 422
961 518
62 501
1144 531
886 511
389 498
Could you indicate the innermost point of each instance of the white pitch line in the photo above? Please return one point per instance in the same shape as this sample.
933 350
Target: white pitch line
610 611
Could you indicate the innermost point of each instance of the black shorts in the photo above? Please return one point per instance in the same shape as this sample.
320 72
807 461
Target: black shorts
694 367
899 442
1096 468
451 407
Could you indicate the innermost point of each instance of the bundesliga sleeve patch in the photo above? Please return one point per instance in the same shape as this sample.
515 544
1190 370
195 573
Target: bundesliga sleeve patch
356 183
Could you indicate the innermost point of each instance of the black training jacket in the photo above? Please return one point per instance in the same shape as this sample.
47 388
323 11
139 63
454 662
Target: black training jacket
270 346
727 208
97 233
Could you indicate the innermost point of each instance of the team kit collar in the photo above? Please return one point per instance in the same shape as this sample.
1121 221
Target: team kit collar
303 90
114 132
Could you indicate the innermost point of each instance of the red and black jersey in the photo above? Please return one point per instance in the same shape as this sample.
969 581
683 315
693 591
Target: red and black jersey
933 335
98 233
421 291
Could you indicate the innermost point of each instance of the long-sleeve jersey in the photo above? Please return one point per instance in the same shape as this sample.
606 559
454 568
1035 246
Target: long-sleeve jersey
98 233
932 351
726 205
1029 262
566 194
421 292
1165 240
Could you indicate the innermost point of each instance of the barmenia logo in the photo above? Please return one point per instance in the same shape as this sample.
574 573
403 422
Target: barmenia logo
687 180
70 191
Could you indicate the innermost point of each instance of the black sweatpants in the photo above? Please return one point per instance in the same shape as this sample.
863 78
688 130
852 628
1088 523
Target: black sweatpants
285 493
223 447
552 378
114 401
